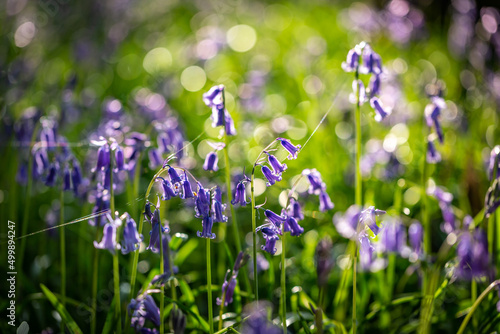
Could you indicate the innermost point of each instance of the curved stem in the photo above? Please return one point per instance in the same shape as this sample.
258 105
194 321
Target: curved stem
283 279
62 240
254 237
476 305
209 289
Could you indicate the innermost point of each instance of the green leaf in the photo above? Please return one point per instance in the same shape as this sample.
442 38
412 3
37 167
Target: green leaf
185 251
70 323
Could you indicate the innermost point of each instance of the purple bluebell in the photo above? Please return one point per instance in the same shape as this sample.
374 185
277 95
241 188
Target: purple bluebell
131 237
241 259
108 238
347 223
148 214
174 176
492 199
154 234
51 178
366 252
211 162
473 256
262 264
202 202
278 167
22 174
228 289
494 163
274 218
325 203
374 86
168 189
270 176
101 205
218 116
372 62
352 62
358 86
380 112
187 191
103 157
271 235
432 114
240 195
293 150
324 260
66 179
119 158
217 207
76 176
444 199
257 322
229 124
214 97
155 158
294 210
291 225
316 184
166 259
177 320
144 308
368 217
433 156
207 224
415 234
392 236
40 162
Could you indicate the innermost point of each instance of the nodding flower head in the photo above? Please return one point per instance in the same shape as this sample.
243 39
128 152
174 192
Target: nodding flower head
433 156
229 124
316 184
287 145
278 167
432 114
119 158
494 163
270 176
218 116
366 249
202 202
368 217
473 256
214 97
358 87
374 86
168 189
51 178
271 235
76 176
154 234
293 227
492 199
352 62
148 214
66 179
187 191
144 308
325 203
103 160
227 290
174 176
240 195
274 218
108 238
380 111
217 207
347 223
207 224
393 236
131 237
372 63
294 210
416 233
211 162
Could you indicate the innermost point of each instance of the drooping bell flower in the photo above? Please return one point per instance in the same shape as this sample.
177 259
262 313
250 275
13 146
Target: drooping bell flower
76 176
291 225
174 176
380 111
415 233
51 178
148 214
154 234
227 290
214 97
271 235
316 184
168 189
258 322
187 191
144 308
372 63
207 224
131 237
287 145
66 179
433 156
119 158
274 218
374 86
432 113
444 199
240 195
108 238
218 116
270 176
217 207
368 218
494 163
366 252
325 203
202 202
294 210
229 124
392 236
347 223
211 162
352 62
103 158
473 256
278 167
492 199
358 87
177 320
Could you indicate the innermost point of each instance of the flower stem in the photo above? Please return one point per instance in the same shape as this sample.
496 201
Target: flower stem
95 275
283 280
162 289
254 237
62 240
236 231
209 289
223 300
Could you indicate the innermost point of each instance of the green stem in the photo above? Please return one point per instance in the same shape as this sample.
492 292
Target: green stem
62 240
476 305
236 231
116 264
162 294
171 268
223 300
254 237
283 280
95 275
473 299
209 289
354 262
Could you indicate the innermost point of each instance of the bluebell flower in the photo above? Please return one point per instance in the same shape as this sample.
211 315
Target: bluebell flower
177 320
154 234
432 114
494 163
316 184
271 235
291 225
101 204
168 189
166 259
473 256
274 218
492 199
270 176
278 167
144 308
211 162
217 207
214 97
240 195
372 62
294 210
347 223
40 162
108 238
325 202
324 260
131 237
103 159
187 191
228 288
257 322
66 179
352 62
366 252
380 112
416 233
374 86
174 176
202 202
155 158
358 85
76 176
368 218
207 224
148 214
218 116
292 150
229 124
51 178
444 200
119 158
393 236
433 156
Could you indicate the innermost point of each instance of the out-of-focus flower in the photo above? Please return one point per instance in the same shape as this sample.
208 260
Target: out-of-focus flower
444 199
324 260
416 233
368 217
494 163
325 203
352 62
294 210
433 156
177 320
257 322
492 199
372 63
472 252
380 112
141 309
109 236
432 114
347 223
131 237
393 237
